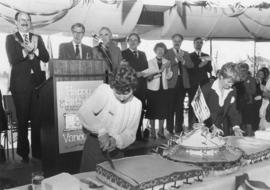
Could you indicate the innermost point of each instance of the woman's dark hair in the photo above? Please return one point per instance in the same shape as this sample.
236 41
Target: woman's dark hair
160 45
124 79
265 71
242 69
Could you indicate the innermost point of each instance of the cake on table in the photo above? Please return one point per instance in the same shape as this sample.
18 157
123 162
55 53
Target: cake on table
253 149
146 172
205 149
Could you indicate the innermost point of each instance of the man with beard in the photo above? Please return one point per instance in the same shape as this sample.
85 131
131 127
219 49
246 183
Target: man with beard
25 50
178 84
75 49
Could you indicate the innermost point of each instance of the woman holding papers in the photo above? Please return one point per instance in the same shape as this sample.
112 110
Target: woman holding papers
157 89
220 98
111 116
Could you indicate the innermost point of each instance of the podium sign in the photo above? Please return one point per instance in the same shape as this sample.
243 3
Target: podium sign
70 95
59 99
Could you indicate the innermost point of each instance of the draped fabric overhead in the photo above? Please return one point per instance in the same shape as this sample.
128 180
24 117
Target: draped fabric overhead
217 19
51 16
247 19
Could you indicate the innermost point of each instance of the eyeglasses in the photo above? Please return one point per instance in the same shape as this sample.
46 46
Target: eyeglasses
75 32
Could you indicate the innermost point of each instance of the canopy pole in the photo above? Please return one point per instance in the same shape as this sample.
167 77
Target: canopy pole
255 58
211 55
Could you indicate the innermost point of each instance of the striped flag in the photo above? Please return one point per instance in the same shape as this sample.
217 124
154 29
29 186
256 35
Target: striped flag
200 107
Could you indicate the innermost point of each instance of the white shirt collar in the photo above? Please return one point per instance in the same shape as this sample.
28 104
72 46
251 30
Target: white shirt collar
221 98
198 52
133 50
74 44
22 34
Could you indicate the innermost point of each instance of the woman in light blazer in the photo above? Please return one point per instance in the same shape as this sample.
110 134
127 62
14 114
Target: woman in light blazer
157 89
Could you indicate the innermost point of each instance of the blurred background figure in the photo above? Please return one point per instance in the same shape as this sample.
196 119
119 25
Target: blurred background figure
246 90
264 118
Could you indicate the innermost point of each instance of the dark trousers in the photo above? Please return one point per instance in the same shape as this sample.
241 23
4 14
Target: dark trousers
22 101
141 96
35 125
176 107
191 115
92 154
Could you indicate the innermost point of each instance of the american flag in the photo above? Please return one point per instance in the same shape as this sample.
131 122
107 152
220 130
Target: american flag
200 107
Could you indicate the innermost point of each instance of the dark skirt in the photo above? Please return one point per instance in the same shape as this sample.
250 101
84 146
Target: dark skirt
92 154
157 104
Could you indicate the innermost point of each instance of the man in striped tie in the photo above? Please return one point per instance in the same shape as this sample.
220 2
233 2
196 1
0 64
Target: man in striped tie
25 50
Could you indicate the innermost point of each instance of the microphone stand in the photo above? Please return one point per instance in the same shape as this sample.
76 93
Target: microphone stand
108 61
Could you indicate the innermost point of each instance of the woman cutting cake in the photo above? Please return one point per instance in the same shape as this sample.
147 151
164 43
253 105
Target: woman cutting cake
220 98
111 115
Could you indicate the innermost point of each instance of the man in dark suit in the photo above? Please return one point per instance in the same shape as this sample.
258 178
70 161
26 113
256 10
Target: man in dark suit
25 50
108 51
199 74
178 85
75 49
137 60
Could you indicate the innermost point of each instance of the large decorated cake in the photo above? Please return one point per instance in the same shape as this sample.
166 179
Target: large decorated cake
254 150
205 149
146 172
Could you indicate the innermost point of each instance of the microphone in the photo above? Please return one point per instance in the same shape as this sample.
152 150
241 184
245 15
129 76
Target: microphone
97 38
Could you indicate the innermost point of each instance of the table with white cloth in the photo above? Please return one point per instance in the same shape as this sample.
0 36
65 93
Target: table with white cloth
259 171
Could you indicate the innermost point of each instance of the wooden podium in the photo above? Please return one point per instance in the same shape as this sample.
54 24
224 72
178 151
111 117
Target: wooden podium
59 98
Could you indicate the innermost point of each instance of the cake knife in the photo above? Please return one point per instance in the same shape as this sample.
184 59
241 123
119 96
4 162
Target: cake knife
109 159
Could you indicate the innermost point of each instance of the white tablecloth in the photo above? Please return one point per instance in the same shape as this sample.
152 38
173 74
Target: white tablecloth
259 171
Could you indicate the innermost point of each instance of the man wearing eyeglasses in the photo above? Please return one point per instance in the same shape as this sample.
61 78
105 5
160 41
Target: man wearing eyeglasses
75 49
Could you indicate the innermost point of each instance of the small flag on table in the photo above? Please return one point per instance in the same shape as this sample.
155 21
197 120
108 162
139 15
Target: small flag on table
200 107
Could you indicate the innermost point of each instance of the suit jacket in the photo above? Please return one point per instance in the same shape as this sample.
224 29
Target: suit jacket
115 54
154 84
66 51
198 76
139 64
229 107
170 55
25 73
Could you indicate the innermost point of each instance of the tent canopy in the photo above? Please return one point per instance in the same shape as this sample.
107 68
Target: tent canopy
156 19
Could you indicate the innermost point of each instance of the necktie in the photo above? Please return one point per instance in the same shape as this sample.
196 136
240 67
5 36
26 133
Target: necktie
109 58
135 53
26 39
77 52
179 63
